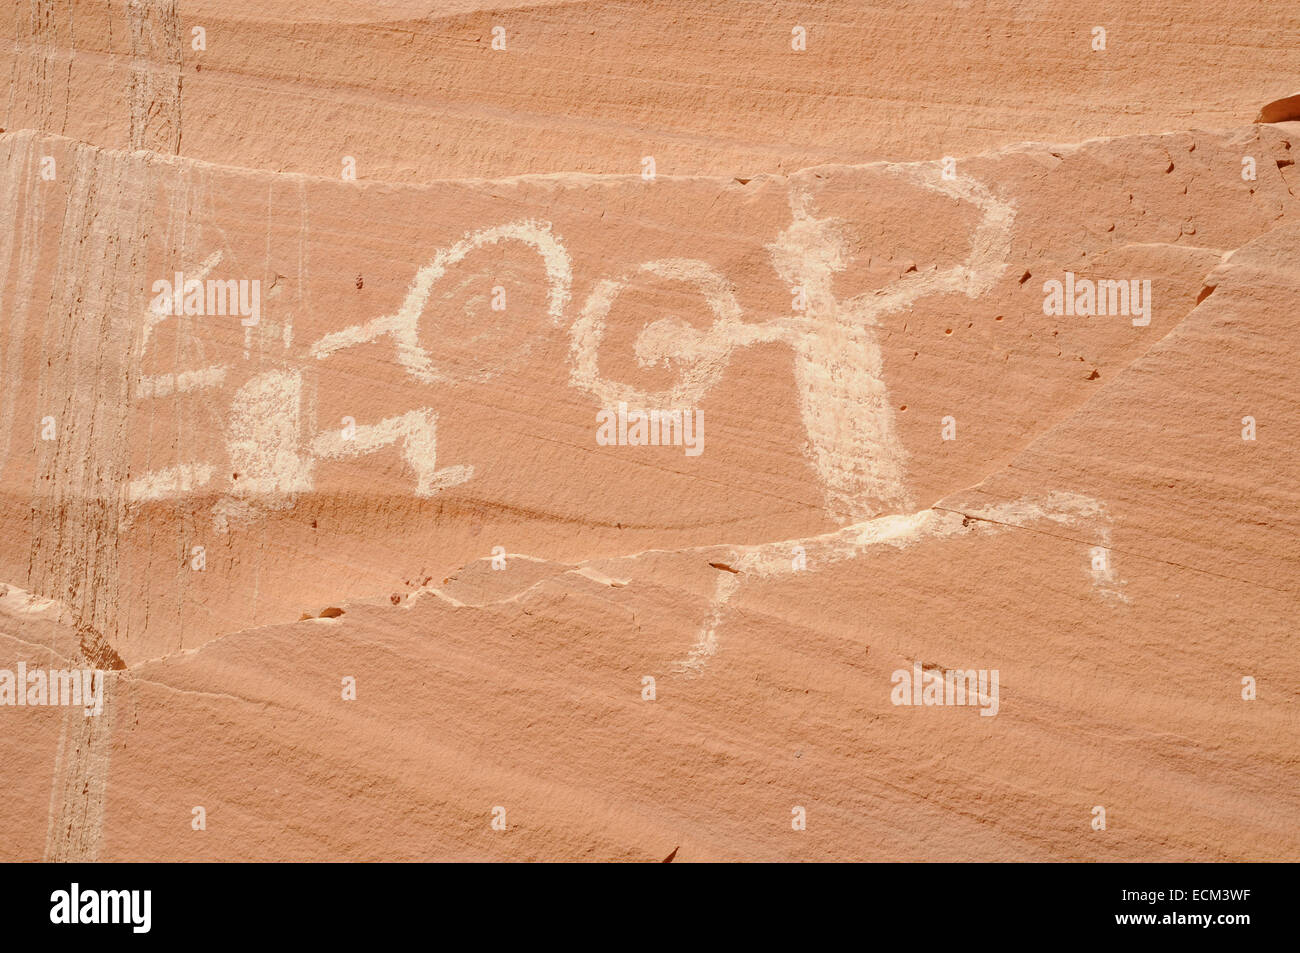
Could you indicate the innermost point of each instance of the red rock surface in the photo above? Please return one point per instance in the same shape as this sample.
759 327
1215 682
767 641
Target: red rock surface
393 475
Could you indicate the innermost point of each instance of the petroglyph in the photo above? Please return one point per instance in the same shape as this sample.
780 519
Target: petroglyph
853 444
837 364
839 374
702 356
899 531
403 325
274 443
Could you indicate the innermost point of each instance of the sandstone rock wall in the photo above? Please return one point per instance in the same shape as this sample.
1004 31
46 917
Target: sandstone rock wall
383 462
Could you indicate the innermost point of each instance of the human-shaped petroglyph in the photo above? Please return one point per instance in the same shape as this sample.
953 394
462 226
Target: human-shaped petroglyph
271 458
838 369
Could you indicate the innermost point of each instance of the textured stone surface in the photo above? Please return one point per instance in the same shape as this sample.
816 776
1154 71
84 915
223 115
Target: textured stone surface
418 473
